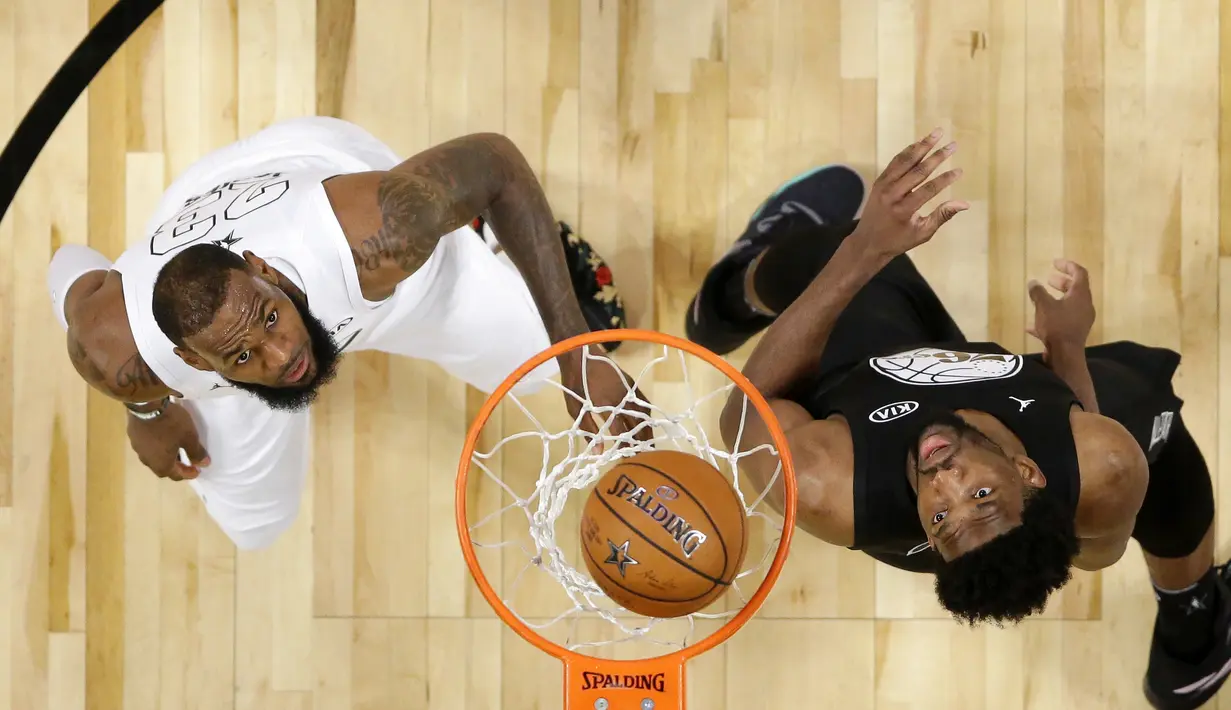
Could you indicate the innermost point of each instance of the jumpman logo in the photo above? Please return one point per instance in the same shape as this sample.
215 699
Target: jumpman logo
1022 403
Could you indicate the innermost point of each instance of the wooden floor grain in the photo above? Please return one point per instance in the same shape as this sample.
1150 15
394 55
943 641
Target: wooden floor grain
1087 128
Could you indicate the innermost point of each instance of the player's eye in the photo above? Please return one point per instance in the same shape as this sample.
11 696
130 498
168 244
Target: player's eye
271 319
983 492
938 517
243 357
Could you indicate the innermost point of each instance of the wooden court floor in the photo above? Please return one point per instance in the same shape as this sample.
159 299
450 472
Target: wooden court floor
1087 128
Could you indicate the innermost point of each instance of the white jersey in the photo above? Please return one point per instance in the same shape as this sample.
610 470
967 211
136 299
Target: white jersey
265 195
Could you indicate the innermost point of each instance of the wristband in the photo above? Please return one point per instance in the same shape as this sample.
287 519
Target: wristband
146 416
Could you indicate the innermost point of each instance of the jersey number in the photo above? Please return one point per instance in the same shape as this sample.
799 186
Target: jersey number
245 196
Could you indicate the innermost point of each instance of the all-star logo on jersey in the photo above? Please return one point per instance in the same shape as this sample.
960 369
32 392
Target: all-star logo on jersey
932 366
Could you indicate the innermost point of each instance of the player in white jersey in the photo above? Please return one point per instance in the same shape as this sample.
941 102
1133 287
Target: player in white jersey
270 258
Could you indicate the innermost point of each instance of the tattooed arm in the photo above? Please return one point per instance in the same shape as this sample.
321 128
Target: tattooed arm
101 345
393 220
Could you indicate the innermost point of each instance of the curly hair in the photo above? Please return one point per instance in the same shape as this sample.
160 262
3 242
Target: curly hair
1011 576
191 288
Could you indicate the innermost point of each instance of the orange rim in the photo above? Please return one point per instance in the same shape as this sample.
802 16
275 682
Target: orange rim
776 434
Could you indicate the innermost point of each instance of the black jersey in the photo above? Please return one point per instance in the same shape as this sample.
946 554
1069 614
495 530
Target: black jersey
884 398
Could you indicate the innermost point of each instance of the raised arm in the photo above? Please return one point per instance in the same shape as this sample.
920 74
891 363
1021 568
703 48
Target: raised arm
393 221
792 347
1063 325
441 189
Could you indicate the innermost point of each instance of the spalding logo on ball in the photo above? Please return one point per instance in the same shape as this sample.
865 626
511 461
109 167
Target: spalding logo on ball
686 537
664 533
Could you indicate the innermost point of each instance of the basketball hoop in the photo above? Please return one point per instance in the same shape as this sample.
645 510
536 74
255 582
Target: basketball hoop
563 460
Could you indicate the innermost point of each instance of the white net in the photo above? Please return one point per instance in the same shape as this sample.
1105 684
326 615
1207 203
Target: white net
544 473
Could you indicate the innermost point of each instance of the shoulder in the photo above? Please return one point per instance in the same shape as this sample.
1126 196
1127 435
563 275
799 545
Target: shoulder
1114 474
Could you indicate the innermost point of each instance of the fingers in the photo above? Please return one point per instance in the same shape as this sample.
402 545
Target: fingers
903 162
180 472
1038 294
1068 266
920 197
196 453
174 470
1060 282
620 413
922 171
184 467
647 432
1079 276
1070 278
191 458
939 216
627 422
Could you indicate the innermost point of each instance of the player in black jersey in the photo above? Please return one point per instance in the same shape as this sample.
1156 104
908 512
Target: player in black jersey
996 472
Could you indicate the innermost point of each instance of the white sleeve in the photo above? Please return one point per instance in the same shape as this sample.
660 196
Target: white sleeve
69 263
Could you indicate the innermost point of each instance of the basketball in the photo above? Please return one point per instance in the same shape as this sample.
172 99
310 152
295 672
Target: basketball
663 533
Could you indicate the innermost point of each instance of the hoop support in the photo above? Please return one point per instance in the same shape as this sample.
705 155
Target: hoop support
598 684
589 681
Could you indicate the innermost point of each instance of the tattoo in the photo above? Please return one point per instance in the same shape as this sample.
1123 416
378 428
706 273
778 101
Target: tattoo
134 380
444 188
427 197
84 364
134 376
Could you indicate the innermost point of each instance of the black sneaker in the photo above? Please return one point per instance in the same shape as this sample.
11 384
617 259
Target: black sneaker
1172 684
831 194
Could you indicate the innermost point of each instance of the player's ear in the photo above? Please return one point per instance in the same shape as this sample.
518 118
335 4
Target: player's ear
261 268
1029 472
193 359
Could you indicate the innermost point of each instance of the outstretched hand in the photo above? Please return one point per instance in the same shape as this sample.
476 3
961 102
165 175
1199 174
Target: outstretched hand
604 386
890 224
1065 321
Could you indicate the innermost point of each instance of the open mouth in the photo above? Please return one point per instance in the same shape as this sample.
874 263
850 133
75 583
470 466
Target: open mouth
298 370
934 445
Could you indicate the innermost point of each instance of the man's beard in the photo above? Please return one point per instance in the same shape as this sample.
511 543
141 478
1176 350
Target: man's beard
325 354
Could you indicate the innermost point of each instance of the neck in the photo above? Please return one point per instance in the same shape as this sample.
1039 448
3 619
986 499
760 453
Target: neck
994 429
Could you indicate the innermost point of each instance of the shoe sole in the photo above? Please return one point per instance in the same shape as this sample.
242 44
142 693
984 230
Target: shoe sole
756 215
1151 698
1155 701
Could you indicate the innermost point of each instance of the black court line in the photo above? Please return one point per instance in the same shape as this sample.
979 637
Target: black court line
65 87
